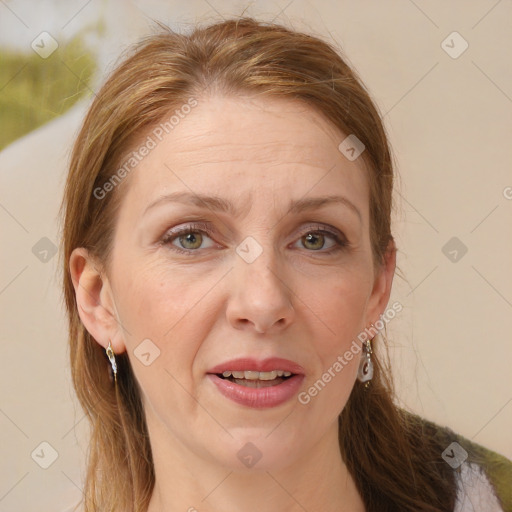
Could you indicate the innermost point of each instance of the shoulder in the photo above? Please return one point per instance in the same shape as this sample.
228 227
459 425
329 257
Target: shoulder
483 477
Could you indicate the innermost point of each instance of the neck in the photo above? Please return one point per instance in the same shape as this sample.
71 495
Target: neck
187 481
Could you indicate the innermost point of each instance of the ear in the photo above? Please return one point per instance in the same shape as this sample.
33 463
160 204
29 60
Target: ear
379 297
94 298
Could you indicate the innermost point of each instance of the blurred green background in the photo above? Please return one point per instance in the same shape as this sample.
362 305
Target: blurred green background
34 90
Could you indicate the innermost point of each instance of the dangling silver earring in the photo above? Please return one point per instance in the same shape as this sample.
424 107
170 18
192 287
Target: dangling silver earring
365 372
112 357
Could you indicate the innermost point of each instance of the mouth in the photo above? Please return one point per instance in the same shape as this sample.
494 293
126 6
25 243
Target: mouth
253 379
258 384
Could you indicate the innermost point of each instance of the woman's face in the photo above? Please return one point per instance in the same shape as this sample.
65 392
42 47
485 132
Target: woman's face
264 252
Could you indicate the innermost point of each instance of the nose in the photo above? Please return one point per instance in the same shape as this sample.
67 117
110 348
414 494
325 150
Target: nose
260 298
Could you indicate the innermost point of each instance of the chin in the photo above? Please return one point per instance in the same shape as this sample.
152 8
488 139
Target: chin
258 452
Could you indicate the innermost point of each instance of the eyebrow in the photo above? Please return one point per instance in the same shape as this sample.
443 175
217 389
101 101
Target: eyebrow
219 204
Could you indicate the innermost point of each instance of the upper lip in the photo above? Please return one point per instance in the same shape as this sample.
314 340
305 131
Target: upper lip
258 365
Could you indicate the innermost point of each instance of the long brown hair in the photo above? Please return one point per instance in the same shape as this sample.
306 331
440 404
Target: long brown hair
394 458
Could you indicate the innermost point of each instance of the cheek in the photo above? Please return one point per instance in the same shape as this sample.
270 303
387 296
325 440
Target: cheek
338 310
165 318
156 296
326 393
161 305
339 306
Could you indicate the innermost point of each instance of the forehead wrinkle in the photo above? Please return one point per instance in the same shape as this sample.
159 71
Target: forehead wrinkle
289 154
271 162
255 149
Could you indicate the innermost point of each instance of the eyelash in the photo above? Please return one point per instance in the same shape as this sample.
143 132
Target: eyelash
203 228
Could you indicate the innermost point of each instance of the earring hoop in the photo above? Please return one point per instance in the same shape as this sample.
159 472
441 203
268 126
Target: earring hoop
112 358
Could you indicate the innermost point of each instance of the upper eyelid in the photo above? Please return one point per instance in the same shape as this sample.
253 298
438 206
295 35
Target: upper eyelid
204 227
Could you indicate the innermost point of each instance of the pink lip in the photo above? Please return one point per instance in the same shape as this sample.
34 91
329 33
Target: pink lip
258 398
265 365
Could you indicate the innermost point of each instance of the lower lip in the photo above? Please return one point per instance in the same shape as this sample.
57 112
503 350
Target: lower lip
258 398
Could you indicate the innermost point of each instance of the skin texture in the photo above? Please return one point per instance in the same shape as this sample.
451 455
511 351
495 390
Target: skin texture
294 301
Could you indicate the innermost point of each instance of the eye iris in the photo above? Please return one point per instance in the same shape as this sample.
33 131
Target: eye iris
191 240
314 239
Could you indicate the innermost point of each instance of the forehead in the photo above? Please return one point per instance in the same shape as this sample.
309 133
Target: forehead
248 129
248 147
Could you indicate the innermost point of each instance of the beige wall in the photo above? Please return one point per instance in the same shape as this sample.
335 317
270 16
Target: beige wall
449 121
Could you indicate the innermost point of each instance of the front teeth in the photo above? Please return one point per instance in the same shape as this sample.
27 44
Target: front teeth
250 375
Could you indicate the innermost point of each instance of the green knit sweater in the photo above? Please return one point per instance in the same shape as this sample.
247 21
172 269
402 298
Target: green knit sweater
496 467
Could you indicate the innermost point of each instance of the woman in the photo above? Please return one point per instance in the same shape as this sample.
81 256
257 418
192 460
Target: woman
229 260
